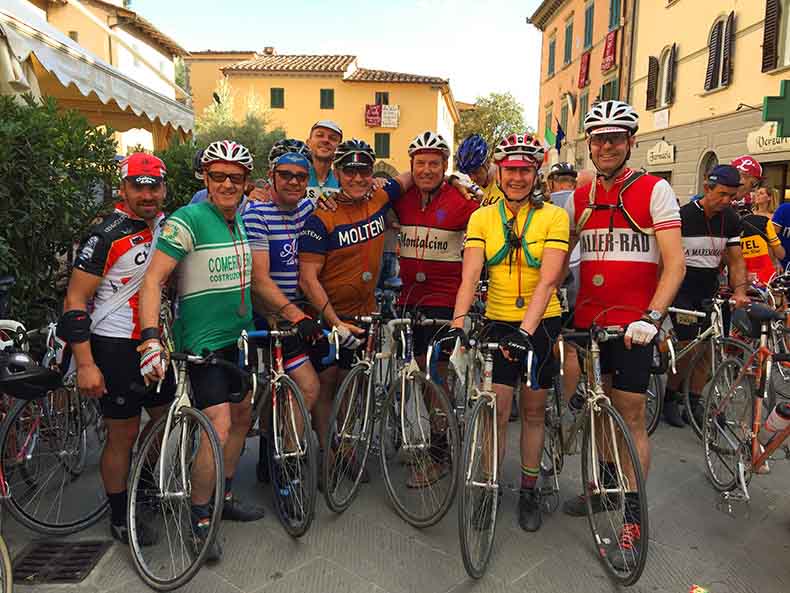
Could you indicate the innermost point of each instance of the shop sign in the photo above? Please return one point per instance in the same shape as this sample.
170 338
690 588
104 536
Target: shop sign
663 153
765 140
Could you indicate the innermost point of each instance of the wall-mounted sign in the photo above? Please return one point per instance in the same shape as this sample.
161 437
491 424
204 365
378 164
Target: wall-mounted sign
373 116
390 116
584 70
764 140
609 50
663 153
661 119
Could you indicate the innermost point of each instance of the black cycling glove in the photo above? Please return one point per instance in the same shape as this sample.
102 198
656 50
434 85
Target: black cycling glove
308 330
446 341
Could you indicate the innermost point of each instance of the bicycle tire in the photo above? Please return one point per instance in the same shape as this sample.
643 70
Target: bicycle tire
476 563
191 561
721 439
553 457
603 537
354 460
6 569
655 402
294 485
436 459
45 463
728 346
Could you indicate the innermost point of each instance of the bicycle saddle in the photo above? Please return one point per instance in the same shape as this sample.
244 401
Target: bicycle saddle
22 378
762 313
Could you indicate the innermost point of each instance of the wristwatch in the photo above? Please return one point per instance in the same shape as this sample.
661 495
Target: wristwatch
654 317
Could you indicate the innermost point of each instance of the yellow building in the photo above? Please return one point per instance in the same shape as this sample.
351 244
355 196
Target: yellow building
298 90
700 73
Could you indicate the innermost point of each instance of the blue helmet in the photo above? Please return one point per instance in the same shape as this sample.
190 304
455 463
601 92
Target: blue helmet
472 154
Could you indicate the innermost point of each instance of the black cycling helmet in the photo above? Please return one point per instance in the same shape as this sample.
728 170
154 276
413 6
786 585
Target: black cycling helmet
355 153
197 166
562 169
22 378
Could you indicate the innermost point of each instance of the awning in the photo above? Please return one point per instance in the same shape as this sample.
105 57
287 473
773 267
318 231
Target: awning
26 33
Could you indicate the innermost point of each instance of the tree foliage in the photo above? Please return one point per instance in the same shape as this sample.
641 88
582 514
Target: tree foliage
55 172
493 117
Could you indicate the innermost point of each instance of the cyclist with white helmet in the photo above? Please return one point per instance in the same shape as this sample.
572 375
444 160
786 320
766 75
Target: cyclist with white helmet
523 243
472 160
626 223
208 245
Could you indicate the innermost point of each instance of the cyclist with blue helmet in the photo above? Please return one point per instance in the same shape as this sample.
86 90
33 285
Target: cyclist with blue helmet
473 161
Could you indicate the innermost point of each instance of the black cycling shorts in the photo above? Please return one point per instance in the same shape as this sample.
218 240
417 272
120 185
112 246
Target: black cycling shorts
423 335
320 352
506 372
295 351
119 362
213 385
630 369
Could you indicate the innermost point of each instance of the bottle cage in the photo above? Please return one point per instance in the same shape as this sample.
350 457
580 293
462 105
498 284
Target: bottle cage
591 205
500 255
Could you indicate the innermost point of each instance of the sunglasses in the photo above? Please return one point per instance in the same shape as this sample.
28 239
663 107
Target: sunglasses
363 172
615 138
218 177
287 176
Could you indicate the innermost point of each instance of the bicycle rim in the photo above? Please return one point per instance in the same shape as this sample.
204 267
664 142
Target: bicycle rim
421 479
477 508
178 554
350 429
620 492
728 419
51 461
294 472
6 570
655 402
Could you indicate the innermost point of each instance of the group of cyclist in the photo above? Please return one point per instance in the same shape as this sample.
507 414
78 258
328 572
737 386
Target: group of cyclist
310 253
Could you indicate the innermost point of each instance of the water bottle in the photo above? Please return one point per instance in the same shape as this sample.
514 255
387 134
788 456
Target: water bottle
778 420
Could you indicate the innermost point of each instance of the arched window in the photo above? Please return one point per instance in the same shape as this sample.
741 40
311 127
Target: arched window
720 47
706 165
664 71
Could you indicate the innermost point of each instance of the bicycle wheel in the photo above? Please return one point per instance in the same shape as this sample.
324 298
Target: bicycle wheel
178 554
421 480
6 570
51 452
477 507
553 458
293 471
655 402
350 430
729 411
726 348
616 495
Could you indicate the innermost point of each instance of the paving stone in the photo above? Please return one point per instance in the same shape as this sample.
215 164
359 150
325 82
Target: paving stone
320 575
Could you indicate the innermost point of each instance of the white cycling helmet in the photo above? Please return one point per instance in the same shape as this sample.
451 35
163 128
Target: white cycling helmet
611 116
429 140
227 151
519 150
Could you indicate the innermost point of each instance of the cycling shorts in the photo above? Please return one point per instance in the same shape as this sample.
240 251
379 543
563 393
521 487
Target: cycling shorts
422 336
630 369
506 372
295 351
213 385
119 362
320 352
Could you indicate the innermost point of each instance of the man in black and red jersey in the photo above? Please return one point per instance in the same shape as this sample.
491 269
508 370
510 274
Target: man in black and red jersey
626 223
101 324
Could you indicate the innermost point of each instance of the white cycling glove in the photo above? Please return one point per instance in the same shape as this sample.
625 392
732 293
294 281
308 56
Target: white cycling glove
641 332
348 340
151 359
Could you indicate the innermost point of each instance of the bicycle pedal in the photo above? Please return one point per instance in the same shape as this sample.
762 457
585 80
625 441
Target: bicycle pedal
734 504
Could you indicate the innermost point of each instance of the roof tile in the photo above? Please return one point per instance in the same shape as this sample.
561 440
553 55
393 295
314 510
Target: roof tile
295 63
368 75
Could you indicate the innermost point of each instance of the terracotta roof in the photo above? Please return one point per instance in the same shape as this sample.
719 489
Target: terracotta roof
298 63
367 75
204 52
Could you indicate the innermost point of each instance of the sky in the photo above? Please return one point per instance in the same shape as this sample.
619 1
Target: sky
482 47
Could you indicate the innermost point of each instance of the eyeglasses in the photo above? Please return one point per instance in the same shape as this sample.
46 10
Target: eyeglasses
218 177
287 176
363 172
615 138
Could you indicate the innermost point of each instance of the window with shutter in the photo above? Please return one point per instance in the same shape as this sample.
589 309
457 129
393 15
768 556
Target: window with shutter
652 83
568 41
714 56
589 17
727 50
773 9
547 124
584 107
614 14
669 89
564 117
783 34
552 54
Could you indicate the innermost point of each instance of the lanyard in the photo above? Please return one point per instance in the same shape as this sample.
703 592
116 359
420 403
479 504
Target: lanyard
241 261
509 228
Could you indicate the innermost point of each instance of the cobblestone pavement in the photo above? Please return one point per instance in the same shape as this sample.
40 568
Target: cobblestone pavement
369 549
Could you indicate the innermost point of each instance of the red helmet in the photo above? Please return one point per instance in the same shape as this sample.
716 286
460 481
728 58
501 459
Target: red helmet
748 165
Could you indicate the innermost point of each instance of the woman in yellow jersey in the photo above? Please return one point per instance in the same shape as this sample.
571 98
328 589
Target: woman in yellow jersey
523 244
760 244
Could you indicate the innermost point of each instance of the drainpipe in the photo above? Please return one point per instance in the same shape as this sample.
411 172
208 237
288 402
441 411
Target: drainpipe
631 51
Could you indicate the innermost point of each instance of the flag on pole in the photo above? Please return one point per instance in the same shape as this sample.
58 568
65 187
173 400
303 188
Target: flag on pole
549 136
560 137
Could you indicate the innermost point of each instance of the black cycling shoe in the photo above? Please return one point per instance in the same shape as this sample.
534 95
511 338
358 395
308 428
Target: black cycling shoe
697 409
199 534
530 509
672 413
235 510
146 535
577 507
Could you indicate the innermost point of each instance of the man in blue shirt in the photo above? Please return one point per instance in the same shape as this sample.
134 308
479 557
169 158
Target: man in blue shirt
324 137
781 220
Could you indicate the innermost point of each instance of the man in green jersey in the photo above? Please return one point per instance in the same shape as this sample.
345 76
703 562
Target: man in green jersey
207 243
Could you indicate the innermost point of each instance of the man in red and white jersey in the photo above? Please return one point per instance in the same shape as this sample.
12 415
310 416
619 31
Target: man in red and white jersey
626 222
101 324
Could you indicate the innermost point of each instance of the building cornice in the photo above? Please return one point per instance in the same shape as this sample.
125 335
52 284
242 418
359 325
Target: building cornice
545 12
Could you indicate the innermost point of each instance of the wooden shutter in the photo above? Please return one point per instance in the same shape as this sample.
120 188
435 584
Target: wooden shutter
773 14
714 55
729 43
652 83
671 69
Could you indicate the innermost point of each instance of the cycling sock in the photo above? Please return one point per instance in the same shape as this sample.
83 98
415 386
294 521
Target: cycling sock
229 488
529 477
201 514
608 474
632 512
118 503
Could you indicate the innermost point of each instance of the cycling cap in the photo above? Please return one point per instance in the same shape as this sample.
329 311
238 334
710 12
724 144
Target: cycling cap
519 150
725 175
611 116
227 151
354 153
292 158
197 166
429 141
560 169
143 168
472 154
290 146
748 165
329 125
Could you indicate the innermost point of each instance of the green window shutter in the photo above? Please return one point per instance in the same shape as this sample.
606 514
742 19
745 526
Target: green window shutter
614 14
327 98
584 107
568 42
589 15
552 52
564 117
382 98
277 98
381 142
